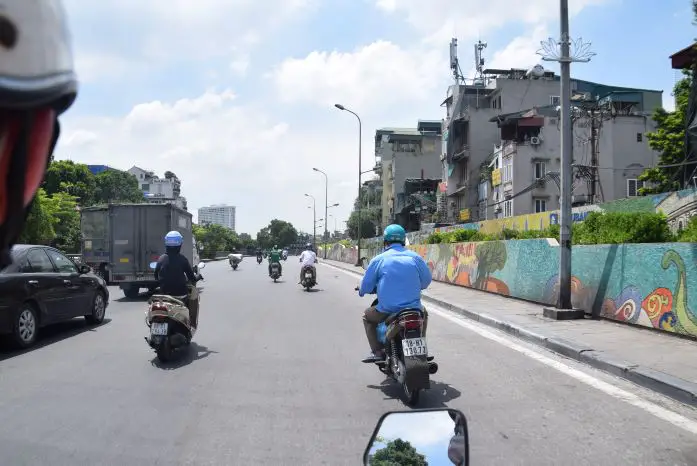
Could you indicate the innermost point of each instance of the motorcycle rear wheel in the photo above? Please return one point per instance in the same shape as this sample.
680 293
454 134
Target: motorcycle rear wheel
411 397
164 351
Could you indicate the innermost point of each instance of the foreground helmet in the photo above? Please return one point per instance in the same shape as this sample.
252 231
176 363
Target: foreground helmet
308 246
37 83
395 234
174 239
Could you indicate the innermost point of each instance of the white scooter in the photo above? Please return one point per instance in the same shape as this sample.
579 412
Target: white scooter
235 260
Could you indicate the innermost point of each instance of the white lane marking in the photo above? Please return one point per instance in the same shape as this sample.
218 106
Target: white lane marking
605 387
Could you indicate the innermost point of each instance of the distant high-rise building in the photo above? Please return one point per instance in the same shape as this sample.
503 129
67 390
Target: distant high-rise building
219 214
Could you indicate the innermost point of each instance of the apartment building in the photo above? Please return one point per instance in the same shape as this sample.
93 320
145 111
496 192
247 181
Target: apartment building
218 214
473 127
523 173
158 190
408 162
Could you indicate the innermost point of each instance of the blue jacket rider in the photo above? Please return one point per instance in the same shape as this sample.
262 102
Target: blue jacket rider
397 275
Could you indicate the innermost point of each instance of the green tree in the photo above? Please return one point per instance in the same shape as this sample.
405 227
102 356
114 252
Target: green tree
66 217
66 176
117 186
38 228
278 232
669 141
368 225
398 453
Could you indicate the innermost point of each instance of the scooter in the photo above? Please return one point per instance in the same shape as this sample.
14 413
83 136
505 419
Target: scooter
275 271
445 427
407 360
309 280
259 259
169 321
235 260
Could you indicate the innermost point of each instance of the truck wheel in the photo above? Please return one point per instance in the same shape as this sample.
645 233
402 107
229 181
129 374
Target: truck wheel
131 292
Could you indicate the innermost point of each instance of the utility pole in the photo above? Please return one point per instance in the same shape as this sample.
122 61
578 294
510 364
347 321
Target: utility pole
561 52
594 159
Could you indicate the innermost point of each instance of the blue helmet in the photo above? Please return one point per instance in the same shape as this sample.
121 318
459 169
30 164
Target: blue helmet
174 239
395 234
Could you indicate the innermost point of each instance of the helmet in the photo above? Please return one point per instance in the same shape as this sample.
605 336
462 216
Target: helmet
308 246
37 83
173 239
395 234
275 246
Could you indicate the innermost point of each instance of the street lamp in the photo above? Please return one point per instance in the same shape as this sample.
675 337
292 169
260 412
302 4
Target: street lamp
326 202
565 51
314 219
358 212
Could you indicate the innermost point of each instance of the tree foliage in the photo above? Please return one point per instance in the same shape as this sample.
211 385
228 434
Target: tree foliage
53 220
398 453
368 224
279 233
66 176
669 141
215 238
117 186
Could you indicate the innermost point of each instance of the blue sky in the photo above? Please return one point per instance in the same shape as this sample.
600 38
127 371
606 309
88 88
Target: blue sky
235 96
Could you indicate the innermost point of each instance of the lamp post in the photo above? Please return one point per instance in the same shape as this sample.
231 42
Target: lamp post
326 206
565 51
314 219
358 212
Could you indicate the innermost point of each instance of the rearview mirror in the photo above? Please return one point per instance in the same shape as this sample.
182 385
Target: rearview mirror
83 269
153 265
426 436
201 265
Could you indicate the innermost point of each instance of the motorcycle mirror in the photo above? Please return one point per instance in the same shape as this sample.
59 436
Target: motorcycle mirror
427 436
153 265
201 265
364 263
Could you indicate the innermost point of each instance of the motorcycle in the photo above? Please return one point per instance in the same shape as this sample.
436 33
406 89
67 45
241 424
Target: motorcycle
308 280
169 321
197 273
444 427
259 259
407 360
275 271
284 255
235 260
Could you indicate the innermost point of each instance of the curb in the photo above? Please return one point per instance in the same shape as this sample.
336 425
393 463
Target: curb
665 384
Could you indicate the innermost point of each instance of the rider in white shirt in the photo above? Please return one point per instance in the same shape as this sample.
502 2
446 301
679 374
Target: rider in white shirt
308 258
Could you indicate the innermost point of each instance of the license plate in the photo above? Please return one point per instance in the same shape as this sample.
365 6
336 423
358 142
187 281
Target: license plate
158 328
142 278
308 275
414 347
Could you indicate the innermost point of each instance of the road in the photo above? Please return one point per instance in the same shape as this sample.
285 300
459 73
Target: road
275 378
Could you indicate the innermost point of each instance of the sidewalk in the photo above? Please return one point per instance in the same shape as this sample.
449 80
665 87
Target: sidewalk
660 362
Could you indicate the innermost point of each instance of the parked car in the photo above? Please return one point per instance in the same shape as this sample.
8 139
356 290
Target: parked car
43 287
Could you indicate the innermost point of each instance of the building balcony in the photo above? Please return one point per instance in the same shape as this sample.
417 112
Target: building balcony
461 153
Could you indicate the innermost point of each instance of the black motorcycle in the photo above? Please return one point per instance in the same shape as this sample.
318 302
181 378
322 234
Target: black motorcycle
407 360
259 259
309 279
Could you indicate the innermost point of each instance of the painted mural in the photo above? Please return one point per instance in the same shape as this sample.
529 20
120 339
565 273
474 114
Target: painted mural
641 284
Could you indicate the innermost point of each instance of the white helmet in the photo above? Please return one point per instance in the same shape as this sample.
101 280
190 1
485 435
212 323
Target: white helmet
37 83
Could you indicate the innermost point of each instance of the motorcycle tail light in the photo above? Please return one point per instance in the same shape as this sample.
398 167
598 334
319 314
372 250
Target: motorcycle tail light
158 307
411 322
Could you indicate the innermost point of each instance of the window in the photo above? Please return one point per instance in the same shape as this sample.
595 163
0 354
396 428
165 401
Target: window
633 187
145 187
507 175
39 261
508 208
540 170
63 264
554 100
639 137
540 205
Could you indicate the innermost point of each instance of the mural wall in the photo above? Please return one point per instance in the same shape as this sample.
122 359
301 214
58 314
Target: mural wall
642 284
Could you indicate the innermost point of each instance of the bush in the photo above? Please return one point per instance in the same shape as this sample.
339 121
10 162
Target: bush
689 234
620 227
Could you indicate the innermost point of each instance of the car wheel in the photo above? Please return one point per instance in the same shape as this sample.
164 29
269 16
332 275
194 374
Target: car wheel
98 309
26 326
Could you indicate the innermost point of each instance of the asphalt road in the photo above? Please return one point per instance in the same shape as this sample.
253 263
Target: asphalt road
275 377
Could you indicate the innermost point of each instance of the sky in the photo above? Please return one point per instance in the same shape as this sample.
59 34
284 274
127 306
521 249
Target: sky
237 96
428 432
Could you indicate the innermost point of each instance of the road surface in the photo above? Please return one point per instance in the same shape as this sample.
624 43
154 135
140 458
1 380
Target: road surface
275 378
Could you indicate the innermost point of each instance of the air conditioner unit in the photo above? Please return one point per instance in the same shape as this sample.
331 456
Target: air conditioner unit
535 141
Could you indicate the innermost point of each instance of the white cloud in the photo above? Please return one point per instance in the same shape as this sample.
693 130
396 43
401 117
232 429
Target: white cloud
421 430
379 74
222 152
439 20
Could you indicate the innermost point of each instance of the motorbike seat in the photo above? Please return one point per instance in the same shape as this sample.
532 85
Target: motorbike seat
403 312
168 299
